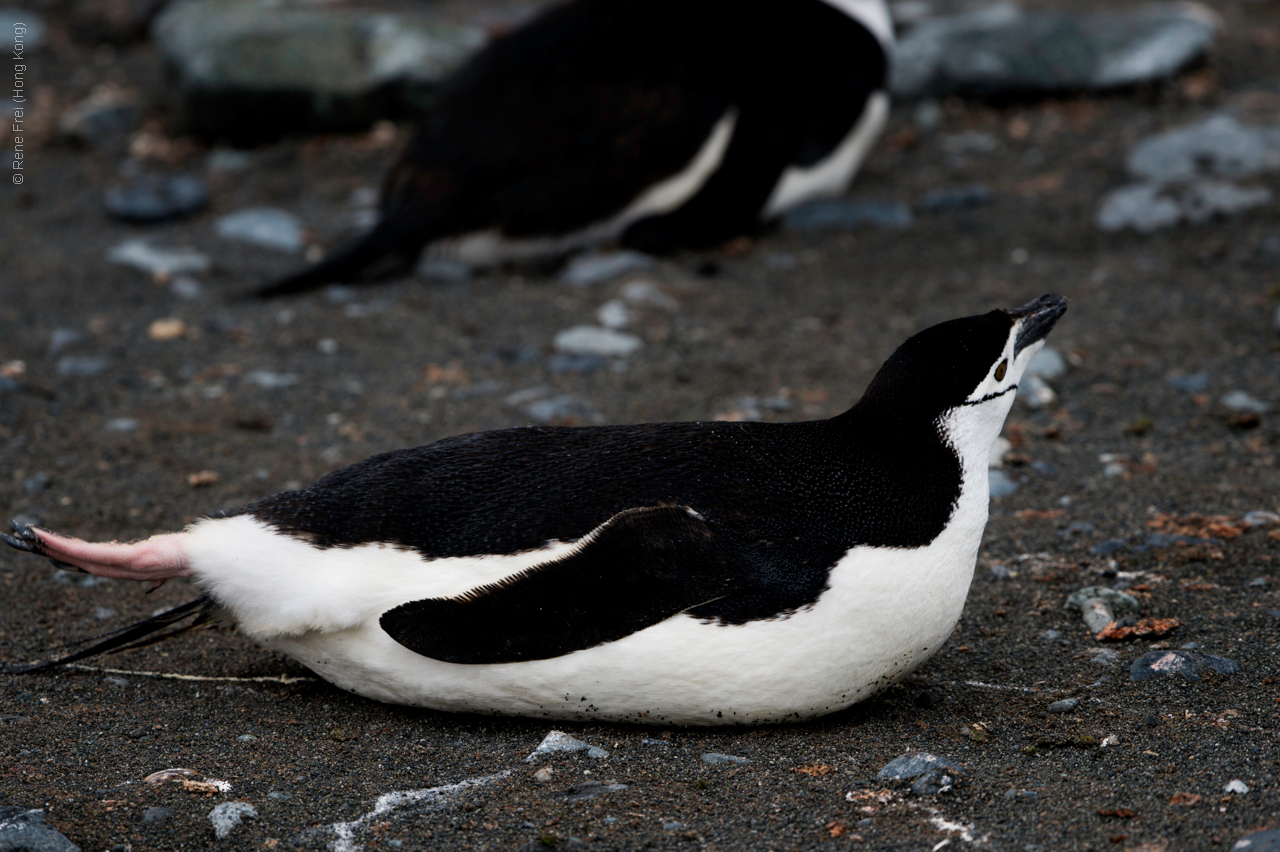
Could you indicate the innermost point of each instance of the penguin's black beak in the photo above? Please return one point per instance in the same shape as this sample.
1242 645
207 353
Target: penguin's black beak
1038 319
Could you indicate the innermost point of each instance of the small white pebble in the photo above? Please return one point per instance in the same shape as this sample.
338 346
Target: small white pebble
1236 786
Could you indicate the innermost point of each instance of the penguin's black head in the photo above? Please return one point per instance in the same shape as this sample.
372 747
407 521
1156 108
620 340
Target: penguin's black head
971 363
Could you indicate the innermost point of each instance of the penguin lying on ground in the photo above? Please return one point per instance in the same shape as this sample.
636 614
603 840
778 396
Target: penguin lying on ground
662 123
671 573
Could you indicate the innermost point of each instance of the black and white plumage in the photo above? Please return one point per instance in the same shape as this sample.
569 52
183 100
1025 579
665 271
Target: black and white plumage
662 123
689 573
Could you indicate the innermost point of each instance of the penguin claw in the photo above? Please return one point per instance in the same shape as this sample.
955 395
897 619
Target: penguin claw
18 544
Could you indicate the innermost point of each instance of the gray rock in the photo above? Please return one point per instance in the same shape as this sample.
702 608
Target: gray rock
1189 664
1259 841
1001 49
673 826
228 815
614 314
1260 518
155 198
156 816
964 197
594 340
599 267
842 214
1066 705
1218 146
562 409
22 830
1000 484
81 366
1117 600
267 227
1097 614
1050 635
574 365
1242 401
122 424
1148 207
430 268
713 757
24 24
1190 382
911 766
1026 795
142 255
647 294
249 70
1000 572
1236 786
558 741
228 161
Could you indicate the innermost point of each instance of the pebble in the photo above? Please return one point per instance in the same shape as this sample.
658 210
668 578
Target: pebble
1149 207
102 613
186 288
574 365
843 214
37 482
962 197
228 161
599 267
1189 382
156 816
142 255
1000 572
546 405
23 830
1050 635
81 366
155 198
1028 795
1104 656
558 741
108 113
1117 600
268 227
934 783
970 142
713 757
1261 518
1066 705
169 328
1257 582
1236 786
543 775
1241 401
648 294
589 790
910 766
1096 614
1189 664
271 380
673 826
594 340
1034 392
1108 547
226 816
1000 484
1048 363
614 314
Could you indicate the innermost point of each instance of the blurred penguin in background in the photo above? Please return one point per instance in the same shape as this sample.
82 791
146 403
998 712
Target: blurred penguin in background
661 124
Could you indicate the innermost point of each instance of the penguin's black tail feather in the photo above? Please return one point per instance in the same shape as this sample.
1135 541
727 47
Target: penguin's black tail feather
389 249
145 632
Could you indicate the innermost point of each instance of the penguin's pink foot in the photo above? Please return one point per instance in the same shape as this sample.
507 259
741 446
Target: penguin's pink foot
154 560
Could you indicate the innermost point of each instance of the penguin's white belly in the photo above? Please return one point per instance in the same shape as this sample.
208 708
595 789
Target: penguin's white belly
885 611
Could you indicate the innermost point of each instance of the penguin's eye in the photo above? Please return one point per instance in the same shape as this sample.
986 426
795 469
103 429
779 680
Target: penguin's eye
1001 370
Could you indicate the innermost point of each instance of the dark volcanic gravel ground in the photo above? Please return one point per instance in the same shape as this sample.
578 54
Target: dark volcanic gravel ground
806 317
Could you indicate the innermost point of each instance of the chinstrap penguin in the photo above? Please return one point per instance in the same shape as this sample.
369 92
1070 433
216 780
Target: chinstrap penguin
670 573
661 123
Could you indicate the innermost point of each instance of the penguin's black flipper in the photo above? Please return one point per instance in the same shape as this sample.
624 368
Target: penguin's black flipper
145 632
641 567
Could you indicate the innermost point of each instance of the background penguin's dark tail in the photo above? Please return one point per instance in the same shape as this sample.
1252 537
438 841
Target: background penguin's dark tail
145 632
390 248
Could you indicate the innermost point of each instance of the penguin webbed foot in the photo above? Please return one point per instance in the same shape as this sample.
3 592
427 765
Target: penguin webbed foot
154 560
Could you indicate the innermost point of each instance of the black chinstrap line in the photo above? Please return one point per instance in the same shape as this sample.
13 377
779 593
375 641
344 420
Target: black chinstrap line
990 396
